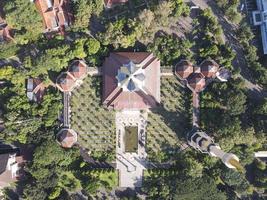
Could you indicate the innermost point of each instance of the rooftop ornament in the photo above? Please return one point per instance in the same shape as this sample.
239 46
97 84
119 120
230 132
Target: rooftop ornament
199 140
131 77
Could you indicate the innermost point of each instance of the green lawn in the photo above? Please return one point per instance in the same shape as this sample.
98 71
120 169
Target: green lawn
94 124
169 123
131 138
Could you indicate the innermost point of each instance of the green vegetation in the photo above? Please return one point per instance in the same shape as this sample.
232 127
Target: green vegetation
28 25
164 184
229 113
131 138
229 8
168 123
170 49
94 124
259 72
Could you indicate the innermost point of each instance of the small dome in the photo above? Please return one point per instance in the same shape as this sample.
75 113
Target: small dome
183 69
65 82
209 68
196 82
67 138
78 69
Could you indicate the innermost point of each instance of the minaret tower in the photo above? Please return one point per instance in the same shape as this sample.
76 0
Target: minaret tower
202 142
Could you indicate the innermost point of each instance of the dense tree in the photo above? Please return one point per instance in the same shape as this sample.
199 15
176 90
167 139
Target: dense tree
92 46
170 186
180 8
229 8
235 180
23 17
169 49
122 33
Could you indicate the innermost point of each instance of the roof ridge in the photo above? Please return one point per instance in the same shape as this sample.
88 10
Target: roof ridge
149 62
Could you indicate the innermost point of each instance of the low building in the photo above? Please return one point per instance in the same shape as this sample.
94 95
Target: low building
184 69
35 89
111 3
56 15
196 82
197 77
260 19
67 81
209 68
131 81
10 162
67 137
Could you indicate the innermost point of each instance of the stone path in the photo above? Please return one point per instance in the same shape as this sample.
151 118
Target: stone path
130 165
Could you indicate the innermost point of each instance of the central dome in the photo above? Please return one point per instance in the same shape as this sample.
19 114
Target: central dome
131 77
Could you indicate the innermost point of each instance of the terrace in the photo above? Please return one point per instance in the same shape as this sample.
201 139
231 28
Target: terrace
93 123
168 123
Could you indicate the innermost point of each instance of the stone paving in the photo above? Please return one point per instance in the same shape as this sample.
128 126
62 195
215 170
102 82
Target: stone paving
130 165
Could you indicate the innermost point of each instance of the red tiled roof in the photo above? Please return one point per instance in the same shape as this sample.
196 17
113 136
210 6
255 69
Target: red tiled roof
56 16
196 82
67 138
78 69
115 97
110 3
209 68
65 82
183 69
37 89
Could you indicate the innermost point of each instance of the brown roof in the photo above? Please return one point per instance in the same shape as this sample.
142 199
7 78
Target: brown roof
209 68
67 138
78 69
110 3
35 89
116 96
55 14
196 82
183 69
65 82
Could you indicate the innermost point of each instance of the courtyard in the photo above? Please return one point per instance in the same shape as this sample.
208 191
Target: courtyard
168 123
94 124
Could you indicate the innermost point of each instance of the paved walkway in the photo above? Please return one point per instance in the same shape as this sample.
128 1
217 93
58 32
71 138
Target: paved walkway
196 111
130 165
66 114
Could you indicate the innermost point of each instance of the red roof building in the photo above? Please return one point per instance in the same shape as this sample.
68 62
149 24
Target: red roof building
196 82
67 137
35 89
67 81
110 3
131 80
209 68
78 69
183 69
55 14
196 76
